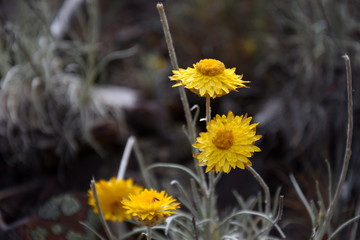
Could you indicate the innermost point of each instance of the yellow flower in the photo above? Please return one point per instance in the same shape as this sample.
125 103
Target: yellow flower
110 194
150 207
228 143
208 78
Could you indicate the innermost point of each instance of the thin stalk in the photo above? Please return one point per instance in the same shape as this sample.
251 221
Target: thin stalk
344 225
355 227
208 110
92 36
211 184
196 232
213 232
92 230
303 200
265 188
211 211
169 42
148 233
211 189
175 66
101 214
330 180
40 15
61 23
149 183
183 97
276 220
14 39
347 155
125 157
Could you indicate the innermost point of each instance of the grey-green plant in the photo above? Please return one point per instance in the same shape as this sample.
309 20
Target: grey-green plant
46 95
252 218
199 217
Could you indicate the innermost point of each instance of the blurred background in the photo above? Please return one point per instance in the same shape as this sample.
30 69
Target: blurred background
79 77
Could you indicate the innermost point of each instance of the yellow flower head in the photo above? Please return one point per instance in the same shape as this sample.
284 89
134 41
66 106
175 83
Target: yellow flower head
150 207
228 143
110 194
208 78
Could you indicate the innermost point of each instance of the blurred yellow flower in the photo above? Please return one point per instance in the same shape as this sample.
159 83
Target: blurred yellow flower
208 78
110 194
228 143
150 207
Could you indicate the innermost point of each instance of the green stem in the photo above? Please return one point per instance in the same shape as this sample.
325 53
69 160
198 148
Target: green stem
175 66
148 233
265 188
266 197
213 232
101 214
330 211
211 189
189 122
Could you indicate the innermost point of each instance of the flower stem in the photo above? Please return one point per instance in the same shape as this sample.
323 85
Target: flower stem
208 110
101 214
213 233
189 122
175 66
331 209
168 37
211 189
211 174
148 233
265 188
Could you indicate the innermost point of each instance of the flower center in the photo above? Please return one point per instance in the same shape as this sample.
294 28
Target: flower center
210 67
115 207
224 139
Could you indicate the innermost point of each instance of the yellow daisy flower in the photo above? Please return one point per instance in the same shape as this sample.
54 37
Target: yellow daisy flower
208 78
110 194
150 207
228 143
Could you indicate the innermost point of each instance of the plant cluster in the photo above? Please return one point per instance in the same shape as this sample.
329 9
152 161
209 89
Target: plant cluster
189 210
227 144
